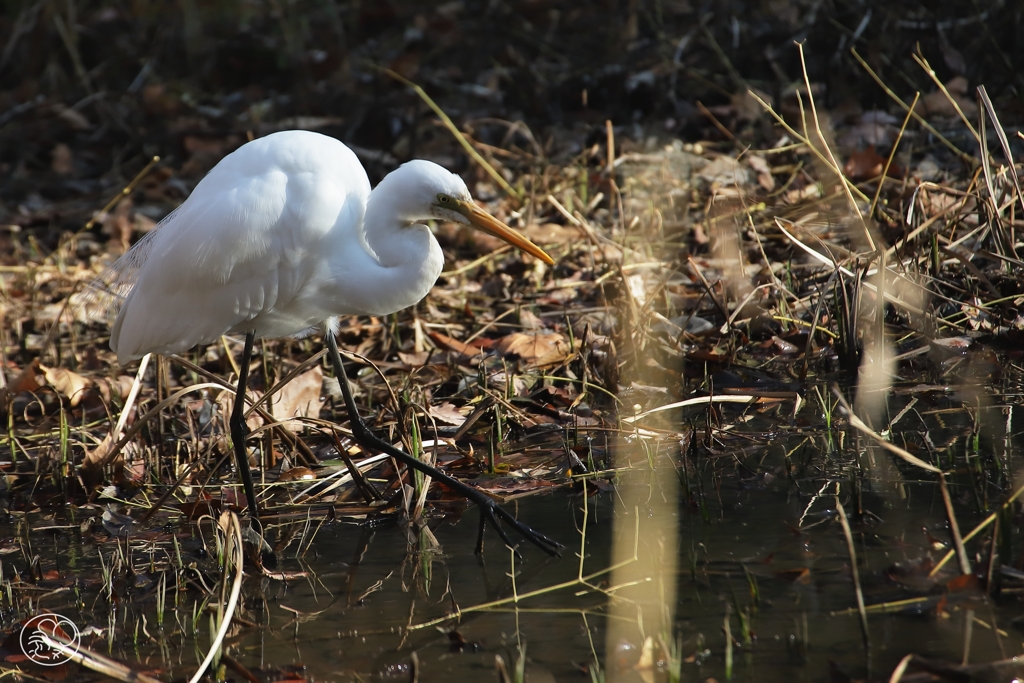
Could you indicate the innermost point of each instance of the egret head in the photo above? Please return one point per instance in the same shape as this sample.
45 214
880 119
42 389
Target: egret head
421 189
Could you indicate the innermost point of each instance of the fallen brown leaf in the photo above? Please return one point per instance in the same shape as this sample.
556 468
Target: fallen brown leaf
298 398
447 413
414 360
95 458
226 402
61 159
446 342
70 384
27 379
536 350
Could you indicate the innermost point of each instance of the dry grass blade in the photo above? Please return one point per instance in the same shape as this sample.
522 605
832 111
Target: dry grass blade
902 245
587 231
892 154
850 187
268 419
581 580
141 422
168 493
610 145
499 667
977 530
132 395
126 191
898 672
699 401
1001 134
891 298
931 129
281 383
343 477
833 164
923 63
958 542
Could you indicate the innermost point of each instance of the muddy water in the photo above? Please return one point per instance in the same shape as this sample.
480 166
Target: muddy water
742 556
800 626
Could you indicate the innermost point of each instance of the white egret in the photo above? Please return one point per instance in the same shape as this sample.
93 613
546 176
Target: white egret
280 238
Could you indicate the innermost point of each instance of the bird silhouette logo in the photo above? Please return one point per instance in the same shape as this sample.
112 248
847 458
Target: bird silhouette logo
50 639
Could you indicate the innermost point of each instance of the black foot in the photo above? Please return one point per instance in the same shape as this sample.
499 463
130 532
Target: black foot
489 509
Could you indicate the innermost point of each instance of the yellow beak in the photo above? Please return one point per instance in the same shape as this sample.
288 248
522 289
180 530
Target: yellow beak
485 222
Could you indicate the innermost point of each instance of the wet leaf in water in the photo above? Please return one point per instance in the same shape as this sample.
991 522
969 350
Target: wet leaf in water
297 474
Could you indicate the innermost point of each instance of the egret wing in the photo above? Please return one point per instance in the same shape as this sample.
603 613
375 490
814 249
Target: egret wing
245 252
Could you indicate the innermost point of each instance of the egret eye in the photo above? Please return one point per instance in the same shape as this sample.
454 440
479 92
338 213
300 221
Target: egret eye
442 198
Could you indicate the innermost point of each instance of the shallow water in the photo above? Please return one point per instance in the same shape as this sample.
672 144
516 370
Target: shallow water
346 618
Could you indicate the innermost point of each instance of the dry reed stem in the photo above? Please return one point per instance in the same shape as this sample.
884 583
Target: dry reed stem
956 150
470 150
892 155
833 164
855 572
927 68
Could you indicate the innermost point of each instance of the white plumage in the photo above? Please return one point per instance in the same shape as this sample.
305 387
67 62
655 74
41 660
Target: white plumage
283 235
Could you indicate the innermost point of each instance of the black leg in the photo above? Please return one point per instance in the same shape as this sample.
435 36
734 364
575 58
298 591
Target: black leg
489 509
239 432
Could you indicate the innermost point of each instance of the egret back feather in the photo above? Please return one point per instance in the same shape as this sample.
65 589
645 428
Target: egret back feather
273 240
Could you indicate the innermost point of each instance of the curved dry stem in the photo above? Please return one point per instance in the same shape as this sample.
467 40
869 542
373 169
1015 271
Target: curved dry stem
133 393
153 412
231 520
